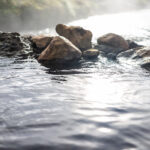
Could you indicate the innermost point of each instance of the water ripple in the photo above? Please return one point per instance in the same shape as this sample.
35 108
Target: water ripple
93 105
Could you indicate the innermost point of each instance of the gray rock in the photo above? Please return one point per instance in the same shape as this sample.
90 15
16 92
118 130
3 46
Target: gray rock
12 44
108 49
111 56
146 64
133 44
127 53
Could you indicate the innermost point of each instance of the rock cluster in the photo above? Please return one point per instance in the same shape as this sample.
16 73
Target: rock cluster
72 44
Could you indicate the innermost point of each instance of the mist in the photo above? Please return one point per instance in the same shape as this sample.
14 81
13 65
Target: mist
23 15
127 5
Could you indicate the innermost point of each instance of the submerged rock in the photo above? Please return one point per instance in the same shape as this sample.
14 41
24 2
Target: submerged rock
80 37
41 42
91 53
60 50
113 40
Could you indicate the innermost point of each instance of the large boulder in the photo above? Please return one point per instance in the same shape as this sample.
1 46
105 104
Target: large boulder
60 50
113 40
80 37
41 41
91 53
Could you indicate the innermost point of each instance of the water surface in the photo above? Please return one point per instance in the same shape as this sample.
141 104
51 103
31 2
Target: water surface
96 105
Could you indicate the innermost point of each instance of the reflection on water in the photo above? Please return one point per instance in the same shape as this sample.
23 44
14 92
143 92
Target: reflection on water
96 105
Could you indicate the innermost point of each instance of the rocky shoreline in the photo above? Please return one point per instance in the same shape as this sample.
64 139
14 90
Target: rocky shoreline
72 44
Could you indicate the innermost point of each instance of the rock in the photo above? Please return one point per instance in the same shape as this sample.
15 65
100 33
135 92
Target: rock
108 49
80 37
111 56
127 53
146 64
60 50
15 45
142 53
91 53
132 44
41 41
113 40
10 44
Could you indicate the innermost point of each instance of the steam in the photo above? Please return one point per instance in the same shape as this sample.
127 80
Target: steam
124 5
48 13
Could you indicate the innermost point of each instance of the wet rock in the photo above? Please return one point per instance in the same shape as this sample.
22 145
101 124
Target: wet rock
133 44
127 53
111 56
146 64
91 53
10 44
142 53
60 50
108 49
113 40
80 37
15 45
40 42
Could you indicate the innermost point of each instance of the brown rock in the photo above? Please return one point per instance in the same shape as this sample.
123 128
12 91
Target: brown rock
91 53
143 52
77 35
113 40
60 49
41 41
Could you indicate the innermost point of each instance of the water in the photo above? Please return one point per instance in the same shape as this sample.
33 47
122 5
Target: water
97 105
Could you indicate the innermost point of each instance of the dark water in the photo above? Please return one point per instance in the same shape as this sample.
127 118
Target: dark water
97 105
